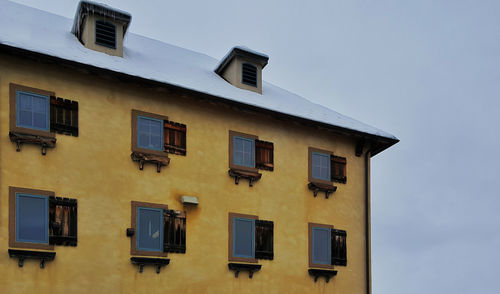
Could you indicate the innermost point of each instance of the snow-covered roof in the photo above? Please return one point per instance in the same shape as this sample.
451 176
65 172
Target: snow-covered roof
49 34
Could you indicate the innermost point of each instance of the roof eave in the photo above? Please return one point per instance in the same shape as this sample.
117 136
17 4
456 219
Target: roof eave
378 143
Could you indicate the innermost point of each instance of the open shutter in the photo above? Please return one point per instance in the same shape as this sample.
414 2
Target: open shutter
339 247
174 236
63 116
338 169
174 138
63 221
264 155
264 234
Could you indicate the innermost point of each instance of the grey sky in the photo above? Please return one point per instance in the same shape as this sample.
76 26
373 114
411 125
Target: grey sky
426 71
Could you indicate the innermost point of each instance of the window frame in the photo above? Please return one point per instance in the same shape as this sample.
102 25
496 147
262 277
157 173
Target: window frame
13 89
312 150
135 147
232 165
311 263
133 245
13 191
231 256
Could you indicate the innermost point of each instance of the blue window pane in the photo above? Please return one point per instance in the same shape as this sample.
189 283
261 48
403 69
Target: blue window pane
32 218
321 245
244 151
149 133
32 111
243 237
320 166
149 229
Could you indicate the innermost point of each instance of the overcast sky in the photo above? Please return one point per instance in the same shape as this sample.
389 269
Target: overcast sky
425 71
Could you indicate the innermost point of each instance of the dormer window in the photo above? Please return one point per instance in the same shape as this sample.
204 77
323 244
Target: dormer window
105 34
249 74
100 27
242 68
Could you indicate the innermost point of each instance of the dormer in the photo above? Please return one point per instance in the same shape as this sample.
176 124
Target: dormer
100 27
242 67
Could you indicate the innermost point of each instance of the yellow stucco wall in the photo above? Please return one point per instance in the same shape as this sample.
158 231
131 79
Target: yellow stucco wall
96 169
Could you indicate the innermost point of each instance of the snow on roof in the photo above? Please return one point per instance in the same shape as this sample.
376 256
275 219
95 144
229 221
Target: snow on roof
46 33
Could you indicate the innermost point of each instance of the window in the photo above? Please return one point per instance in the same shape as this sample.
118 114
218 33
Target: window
250 238
30 111
320 166
155 134
150 133
248 153
327 246
39 113
32 218
325 168
243 151
39 220
149 229
249 74
105 34
158 230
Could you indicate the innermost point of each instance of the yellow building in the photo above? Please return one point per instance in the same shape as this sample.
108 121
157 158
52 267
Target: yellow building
134 166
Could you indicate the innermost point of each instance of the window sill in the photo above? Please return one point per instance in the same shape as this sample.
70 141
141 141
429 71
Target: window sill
28 254
238 174
328 274
238 267
320 187
142 158
44 142
142 261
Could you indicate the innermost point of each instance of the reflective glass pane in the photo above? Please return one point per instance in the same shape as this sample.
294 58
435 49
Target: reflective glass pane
320 168
321 245
32 111
25 102
243 237
24 118
31 218
243 151
149 229
39 120
149 133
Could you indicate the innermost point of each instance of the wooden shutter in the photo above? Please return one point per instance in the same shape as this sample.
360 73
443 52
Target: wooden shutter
339 247
63 221
174 235
264 155
63 116
338 169
264 234
174 137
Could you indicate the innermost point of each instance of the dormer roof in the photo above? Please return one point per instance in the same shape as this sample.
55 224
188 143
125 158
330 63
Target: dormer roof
86 8
244 52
